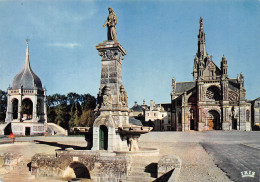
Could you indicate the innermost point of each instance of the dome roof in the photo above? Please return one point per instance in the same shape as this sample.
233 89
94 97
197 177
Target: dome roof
27 78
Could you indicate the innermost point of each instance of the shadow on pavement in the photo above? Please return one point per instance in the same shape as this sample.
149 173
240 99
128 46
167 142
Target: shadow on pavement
165 177
62 146
152 168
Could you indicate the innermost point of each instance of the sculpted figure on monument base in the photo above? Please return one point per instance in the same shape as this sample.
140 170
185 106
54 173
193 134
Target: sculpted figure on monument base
111 25
106 96
123 96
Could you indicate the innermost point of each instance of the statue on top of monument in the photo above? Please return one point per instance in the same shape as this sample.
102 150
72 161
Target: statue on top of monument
201 22
111 25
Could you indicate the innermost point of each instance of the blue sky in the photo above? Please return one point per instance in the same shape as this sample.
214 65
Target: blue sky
160 38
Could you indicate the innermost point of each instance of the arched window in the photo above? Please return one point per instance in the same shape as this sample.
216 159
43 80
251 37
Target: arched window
27 108
15 108
39 107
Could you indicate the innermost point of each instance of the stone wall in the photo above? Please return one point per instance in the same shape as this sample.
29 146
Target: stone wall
36 128
100 167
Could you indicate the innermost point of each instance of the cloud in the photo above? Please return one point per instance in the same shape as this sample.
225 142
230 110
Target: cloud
64 45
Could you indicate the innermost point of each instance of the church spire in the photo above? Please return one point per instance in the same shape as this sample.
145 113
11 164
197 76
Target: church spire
201 42
27 65
224 66
27 60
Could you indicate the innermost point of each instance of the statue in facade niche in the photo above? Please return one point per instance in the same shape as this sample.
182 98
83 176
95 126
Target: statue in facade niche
111 25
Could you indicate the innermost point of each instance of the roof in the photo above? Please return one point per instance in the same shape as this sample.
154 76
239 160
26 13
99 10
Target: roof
137 108
166 106
233 84
27 78
134 121
184 86
257 99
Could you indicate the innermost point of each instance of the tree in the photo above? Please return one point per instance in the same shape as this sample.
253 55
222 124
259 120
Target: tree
73 97
75 114
88 102
87 118
3 104
71 110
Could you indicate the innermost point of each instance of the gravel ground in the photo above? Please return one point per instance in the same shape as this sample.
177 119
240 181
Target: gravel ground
197 165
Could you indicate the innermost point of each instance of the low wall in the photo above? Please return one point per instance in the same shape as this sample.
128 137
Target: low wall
98 166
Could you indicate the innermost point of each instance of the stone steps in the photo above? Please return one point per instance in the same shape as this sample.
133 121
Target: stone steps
140 170
140 173
140 179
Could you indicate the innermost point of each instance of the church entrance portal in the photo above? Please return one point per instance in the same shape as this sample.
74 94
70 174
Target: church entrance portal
103 138
214 120
211 124
27 131
192 124
234 124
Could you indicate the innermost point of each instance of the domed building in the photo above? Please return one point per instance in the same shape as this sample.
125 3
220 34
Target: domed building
26 103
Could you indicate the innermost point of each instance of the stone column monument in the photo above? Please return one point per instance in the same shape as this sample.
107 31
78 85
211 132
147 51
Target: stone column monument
113 130
112 108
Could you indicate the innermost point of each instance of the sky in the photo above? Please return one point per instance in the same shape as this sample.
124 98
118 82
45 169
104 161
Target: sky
160 38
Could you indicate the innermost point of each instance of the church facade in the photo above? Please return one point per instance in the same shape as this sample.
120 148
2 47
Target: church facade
212 101
26 113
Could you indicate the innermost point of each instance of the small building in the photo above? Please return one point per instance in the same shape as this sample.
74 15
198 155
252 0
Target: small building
160 114
212 101
255 114
136 111
26 103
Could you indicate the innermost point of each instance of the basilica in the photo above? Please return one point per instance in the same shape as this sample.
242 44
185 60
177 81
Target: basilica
212 101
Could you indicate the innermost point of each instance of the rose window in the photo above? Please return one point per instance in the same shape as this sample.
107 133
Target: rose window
213 93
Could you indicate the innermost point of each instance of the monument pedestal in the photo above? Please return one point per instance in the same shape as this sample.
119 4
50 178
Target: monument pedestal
112 109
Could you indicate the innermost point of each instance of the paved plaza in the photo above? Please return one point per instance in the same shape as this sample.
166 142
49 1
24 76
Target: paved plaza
206 156
232 151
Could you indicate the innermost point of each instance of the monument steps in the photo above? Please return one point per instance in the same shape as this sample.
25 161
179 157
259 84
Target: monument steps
143 169
139 173
139 179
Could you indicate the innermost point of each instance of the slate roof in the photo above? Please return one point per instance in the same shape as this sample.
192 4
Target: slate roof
257 99
27 78
137 108
134 121
233 84
166 106
184 86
